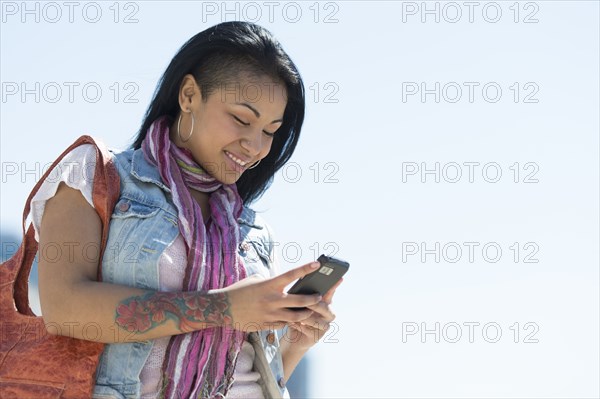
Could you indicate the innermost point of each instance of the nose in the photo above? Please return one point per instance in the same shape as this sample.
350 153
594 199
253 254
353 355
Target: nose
253 144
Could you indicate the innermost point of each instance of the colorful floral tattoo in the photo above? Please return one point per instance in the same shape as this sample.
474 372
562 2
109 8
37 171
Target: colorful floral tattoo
190 310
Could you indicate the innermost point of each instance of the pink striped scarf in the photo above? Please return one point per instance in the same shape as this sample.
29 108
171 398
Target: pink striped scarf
200 363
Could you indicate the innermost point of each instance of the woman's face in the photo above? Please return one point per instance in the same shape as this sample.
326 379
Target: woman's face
234 128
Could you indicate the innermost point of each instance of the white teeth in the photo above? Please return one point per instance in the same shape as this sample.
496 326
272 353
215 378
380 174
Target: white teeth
235 159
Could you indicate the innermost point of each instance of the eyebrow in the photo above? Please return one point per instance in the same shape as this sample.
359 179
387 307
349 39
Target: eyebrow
255 111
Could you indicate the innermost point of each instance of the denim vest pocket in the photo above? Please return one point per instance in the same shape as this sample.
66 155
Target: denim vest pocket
126 208
139 234
262 252
256 258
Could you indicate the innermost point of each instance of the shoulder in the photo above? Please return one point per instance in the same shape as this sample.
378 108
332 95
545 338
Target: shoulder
80 157
76 170
122 158
83 150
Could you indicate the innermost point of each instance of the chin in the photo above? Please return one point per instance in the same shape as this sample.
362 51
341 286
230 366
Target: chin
230 178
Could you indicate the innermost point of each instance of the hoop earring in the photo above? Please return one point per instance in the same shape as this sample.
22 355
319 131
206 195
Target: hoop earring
191 130
255 164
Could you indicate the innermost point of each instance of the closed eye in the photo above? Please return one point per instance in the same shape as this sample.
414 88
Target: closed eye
241 122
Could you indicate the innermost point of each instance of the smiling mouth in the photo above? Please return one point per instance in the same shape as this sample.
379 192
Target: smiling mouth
236 159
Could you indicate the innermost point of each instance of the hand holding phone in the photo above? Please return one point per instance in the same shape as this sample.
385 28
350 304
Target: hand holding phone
322 279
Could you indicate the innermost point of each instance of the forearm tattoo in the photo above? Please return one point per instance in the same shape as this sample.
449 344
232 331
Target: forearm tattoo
190 310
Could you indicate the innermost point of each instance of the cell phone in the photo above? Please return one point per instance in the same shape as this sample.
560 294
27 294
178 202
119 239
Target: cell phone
322 279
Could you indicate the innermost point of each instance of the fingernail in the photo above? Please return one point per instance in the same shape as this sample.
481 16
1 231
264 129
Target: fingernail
314 265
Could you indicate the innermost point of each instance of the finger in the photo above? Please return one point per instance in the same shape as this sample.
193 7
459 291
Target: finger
315 324
323 311
299 300
296 326
328 297
299 329
294 316
308 330
284 279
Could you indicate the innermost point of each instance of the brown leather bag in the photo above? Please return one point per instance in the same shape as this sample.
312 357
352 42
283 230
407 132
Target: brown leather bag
33 363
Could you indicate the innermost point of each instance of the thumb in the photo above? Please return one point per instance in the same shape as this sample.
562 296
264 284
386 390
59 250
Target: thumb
284 279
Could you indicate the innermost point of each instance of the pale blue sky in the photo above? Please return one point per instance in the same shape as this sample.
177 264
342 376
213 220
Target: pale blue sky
364 202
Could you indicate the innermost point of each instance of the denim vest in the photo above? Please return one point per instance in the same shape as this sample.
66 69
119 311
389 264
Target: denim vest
143 225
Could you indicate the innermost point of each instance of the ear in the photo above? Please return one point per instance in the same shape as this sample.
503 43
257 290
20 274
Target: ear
189 93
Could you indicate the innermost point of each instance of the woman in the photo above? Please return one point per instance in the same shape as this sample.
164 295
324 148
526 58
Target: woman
189 304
